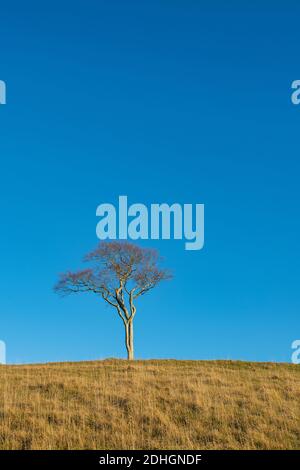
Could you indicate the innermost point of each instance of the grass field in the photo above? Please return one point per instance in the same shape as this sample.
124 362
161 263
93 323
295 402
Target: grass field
114 404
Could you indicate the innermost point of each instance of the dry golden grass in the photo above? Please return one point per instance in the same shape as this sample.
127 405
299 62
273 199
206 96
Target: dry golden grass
150 405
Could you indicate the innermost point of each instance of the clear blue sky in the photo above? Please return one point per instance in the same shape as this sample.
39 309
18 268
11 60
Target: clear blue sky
163 101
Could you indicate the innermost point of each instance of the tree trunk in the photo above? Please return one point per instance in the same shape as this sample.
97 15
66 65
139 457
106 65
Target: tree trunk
129 340
131 352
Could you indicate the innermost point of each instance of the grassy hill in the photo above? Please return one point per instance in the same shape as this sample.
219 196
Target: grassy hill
150 405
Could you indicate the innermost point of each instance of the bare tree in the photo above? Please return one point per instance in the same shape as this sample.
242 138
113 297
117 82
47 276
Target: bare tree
121 273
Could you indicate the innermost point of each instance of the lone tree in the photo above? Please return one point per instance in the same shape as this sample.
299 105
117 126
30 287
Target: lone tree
121 273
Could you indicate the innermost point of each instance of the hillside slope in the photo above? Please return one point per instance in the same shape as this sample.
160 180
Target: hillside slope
150 405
